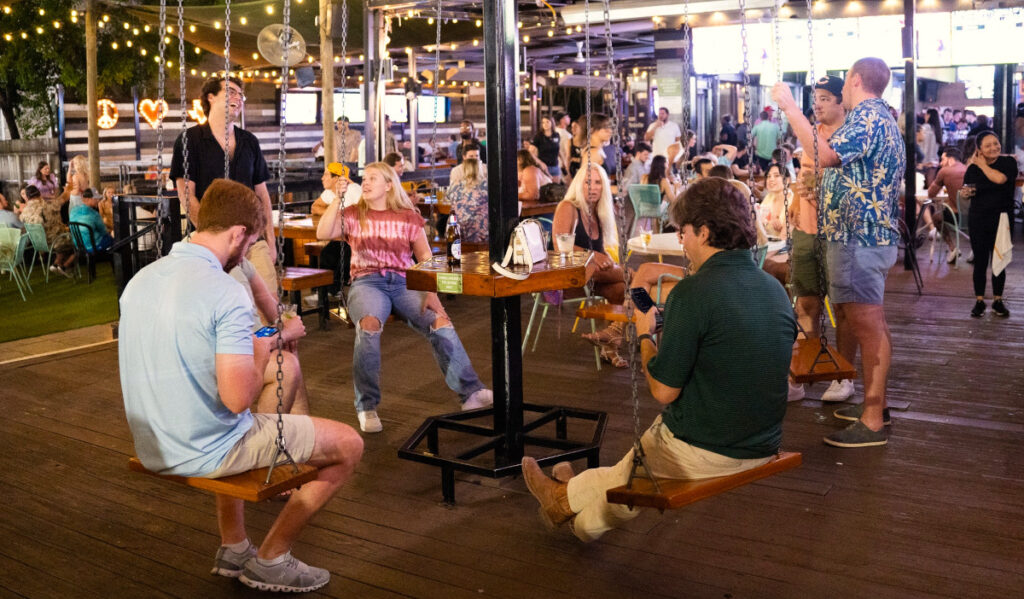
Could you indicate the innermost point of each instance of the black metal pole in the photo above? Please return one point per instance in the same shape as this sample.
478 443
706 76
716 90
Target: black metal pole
502 105
1004 110
138 131
910 133
62 136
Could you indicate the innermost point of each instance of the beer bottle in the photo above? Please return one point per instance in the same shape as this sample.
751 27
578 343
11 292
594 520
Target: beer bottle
453 237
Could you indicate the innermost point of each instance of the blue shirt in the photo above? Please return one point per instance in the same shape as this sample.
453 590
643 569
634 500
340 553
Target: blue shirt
860 198
92 219
177 314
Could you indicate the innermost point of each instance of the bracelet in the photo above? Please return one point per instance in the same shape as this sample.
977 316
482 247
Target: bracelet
647 336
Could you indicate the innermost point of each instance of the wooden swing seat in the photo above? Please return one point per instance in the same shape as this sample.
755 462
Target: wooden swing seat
602 311
246 485
678 493
811 364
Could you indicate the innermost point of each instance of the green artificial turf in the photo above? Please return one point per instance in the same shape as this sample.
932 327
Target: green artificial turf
60 305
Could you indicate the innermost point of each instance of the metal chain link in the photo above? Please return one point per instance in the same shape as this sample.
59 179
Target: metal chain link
687 40
746 112
433 133
279 377
585 162
183 92
344 84
161 209
782 126
819 239
227 96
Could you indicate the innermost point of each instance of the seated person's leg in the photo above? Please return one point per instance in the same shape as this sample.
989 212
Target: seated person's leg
610 284
448 350
294 399
259 255
369 307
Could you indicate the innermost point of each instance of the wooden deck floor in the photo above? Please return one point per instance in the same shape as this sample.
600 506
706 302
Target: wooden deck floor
939 512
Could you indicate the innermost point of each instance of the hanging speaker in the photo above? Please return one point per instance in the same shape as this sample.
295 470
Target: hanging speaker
304 76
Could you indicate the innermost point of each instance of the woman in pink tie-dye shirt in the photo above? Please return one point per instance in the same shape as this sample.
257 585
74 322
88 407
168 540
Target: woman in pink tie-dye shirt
386 234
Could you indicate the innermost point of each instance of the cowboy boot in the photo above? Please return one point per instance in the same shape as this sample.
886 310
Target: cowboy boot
554 501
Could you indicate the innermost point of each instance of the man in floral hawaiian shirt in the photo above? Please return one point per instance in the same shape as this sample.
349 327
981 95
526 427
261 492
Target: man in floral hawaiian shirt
858 219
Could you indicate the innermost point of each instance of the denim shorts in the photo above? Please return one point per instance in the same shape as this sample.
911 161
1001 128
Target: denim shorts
856 274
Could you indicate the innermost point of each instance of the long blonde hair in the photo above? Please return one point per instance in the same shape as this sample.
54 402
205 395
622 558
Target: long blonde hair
577 195
471 172
396 199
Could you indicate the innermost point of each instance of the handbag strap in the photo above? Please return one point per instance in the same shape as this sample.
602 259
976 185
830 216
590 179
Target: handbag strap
501 268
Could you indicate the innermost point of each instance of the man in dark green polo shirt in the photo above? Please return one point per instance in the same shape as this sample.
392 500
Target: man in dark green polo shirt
720 368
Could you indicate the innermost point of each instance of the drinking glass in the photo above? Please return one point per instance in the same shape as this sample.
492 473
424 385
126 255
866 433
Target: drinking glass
645 235
564 243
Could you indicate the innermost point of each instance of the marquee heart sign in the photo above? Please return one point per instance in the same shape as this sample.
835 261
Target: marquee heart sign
153 111
196 112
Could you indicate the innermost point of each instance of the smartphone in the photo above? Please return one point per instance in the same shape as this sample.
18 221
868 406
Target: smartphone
266 332
641 299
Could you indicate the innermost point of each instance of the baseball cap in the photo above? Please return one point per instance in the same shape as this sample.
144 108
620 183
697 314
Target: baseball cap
769 109
337 169
831 84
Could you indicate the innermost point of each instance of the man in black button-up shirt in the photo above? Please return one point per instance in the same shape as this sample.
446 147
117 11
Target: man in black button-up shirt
206 146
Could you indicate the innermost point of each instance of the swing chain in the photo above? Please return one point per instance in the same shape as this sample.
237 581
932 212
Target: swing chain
280 446
183 92
161 209
747 113
819 239
344 83
687 40
227 96
434 213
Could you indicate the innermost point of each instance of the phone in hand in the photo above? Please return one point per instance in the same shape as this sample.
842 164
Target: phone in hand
266 332
641 299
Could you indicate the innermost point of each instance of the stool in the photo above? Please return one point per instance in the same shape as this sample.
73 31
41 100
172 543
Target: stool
297 278
313 250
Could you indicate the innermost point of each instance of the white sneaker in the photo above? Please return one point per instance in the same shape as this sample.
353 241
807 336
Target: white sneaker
369 422
483 398
286 574
796 392
838 391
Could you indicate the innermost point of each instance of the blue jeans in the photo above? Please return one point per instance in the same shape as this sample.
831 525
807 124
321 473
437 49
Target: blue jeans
379 295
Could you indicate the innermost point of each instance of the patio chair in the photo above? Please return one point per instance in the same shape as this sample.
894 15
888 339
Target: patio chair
79 232
646 201
37 236
12 258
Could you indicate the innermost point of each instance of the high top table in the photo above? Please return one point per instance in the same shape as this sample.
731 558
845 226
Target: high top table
510 433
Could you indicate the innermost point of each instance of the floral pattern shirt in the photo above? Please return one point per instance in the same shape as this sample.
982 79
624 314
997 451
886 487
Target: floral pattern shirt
860 198
469 204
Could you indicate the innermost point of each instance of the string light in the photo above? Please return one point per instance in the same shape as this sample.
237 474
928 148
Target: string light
145 28
551 33
167 40
127 26
243 21
191 28
8 37
74 18
198 51
42 12
430 21
270 9
24 35
142 52
39 30
7 10
337 59
106 18
526 39
135 31
216 24
170 29
128 43
100 24
56 24
476 42
568 30
193 71
255 56
479 23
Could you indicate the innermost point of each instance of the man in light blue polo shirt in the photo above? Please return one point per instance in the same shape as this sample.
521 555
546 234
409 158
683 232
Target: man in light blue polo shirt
191 368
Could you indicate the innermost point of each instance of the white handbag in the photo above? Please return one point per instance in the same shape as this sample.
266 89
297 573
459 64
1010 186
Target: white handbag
526 247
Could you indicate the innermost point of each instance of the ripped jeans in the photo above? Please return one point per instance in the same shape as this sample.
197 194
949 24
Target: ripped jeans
378 295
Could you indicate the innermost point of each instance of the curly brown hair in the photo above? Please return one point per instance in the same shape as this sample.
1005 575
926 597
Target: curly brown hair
716 204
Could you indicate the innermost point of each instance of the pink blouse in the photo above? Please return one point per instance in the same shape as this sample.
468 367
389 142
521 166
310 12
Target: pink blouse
385 245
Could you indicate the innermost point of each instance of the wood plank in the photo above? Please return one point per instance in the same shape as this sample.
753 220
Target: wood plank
250 486
478 278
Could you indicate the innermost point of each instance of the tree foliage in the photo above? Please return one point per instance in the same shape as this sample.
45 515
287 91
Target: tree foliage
41 45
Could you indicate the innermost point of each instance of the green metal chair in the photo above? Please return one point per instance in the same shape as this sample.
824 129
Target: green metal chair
12 258
646 201
37 236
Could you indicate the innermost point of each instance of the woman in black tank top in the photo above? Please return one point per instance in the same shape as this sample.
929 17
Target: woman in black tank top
587 214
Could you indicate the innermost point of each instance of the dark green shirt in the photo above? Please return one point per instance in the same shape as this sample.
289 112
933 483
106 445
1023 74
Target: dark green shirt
727 343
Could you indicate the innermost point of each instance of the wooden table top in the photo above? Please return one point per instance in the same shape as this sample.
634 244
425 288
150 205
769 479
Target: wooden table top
538 208
479 279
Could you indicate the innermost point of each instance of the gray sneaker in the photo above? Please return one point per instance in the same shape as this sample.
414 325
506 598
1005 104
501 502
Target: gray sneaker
230 564
290 575
852 413
857 435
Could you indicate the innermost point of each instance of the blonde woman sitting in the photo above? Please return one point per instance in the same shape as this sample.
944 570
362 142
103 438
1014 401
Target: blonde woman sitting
386 234
587 214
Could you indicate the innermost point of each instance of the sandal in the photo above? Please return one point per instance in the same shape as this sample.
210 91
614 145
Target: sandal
610 335
610 354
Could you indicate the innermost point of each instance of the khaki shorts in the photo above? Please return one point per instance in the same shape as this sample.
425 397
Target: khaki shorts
806 265
256 448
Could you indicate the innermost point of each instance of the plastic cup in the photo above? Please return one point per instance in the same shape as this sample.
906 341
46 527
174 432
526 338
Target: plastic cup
564 243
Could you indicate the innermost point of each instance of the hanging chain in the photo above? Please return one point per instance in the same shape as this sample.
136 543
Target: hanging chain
161 209
747 114
687 40
585 153
344 84
819 239
183 92
782 128
281 447
434 209
227 96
